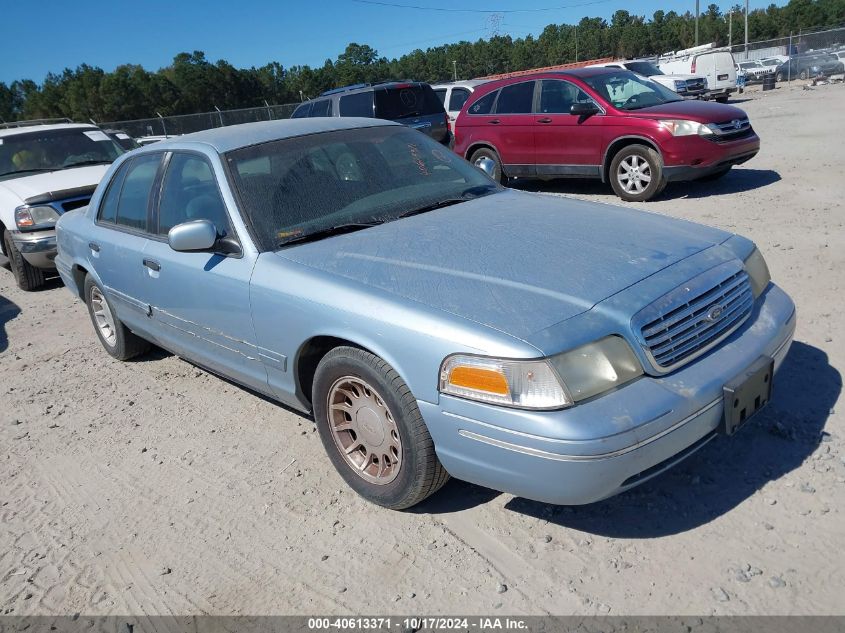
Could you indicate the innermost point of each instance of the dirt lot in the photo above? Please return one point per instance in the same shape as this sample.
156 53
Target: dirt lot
153 487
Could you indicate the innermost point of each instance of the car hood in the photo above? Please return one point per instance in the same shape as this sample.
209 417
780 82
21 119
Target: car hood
54 181
701 111
679 76
514 261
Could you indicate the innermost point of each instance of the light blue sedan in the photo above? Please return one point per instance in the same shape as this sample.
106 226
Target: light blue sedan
434 322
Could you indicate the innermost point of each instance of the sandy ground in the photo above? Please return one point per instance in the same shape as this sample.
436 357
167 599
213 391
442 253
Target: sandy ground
152 487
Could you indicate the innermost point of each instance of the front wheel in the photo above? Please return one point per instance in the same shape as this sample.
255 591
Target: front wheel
488 161
780 77
636 173
27 276
373 431
722 99
118 340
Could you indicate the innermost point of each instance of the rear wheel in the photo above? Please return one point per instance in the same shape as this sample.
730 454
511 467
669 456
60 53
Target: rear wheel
488 161
28 276
372 430
722 99
802 75
636 173
118 340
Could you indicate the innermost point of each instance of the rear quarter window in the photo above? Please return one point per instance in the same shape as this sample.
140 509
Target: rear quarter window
484 105
108 206
360 104
399 103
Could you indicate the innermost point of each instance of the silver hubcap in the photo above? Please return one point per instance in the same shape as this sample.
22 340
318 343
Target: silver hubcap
364 430
103 318
634 174
487 165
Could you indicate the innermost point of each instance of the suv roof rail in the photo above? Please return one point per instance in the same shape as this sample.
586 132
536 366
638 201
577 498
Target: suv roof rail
344 89
32 122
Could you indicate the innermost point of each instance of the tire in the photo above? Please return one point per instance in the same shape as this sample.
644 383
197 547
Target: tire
802 75
648 162
779 77
715 175
28 276
365 390
120 343
722 99
485 153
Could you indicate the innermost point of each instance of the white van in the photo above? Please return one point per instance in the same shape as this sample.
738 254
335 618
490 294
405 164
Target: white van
716 64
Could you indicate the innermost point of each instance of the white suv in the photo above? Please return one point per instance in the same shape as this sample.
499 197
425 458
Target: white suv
453 95
687 86
46 169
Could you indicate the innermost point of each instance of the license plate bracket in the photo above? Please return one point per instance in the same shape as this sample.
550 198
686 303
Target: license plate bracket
747 393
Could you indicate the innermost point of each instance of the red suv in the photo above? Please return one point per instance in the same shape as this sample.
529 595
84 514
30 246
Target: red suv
606 123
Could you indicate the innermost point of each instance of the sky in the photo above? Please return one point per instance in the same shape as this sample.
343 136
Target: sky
56 34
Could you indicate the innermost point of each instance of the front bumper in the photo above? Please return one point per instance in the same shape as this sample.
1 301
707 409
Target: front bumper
551 456
38 248
702 157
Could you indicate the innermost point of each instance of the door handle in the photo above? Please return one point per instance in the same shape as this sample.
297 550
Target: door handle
152 265
494 121
544 120
94 247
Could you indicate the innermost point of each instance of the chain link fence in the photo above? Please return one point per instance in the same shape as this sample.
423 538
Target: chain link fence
795 44
187 123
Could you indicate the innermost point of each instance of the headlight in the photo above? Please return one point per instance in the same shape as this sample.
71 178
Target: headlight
35 217
596 367
552 383
527 384
758 272
681 127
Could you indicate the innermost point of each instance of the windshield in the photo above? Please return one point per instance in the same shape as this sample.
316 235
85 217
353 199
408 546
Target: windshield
311 185
628 91
51 150
413 100
644 68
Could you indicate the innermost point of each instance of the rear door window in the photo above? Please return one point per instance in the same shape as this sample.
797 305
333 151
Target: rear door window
360 104
302 111
516 99
441 95
108 207
135 194
322 108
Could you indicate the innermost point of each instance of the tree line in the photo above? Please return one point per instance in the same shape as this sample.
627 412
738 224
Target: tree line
194 84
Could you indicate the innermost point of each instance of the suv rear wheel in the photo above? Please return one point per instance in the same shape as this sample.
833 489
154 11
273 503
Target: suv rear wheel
488 161
28 276
636 173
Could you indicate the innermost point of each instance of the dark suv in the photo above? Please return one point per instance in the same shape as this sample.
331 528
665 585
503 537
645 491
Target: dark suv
408 102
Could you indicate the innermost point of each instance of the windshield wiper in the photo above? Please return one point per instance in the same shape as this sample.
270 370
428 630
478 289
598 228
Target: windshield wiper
87 162
332 230
28 171
467 194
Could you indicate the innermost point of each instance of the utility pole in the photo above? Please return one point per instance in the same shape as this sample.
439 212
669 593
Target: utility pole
576 43
730 28
455 69
746 29
696 22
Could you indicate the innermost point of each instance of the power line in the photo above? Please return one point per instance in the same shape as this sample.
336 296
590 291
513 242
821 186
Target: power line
453 10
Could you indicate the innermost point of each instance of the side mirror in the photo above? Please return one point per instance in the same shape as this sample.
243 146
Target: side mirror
196 235
584 109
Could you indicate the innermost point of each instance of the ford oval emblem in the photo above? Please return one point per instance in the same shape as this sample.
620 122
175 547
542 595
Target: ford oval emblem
714 313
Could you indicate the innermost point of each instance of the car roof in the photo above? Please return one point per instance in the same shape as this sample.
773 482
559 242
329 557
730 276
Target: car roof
13 131
226 139
471 83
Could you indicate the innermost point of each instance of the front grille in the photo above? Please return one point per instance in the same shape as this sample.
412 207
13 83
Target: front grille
731 130
696 85
696 322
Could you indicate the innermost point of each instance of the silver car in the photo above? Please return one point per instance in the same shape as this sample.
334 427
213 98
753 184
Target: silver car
434 322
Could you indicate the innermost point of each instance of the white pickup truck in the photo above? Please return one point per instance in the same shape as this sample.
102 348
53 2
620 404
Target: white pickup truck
688 86
46 169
